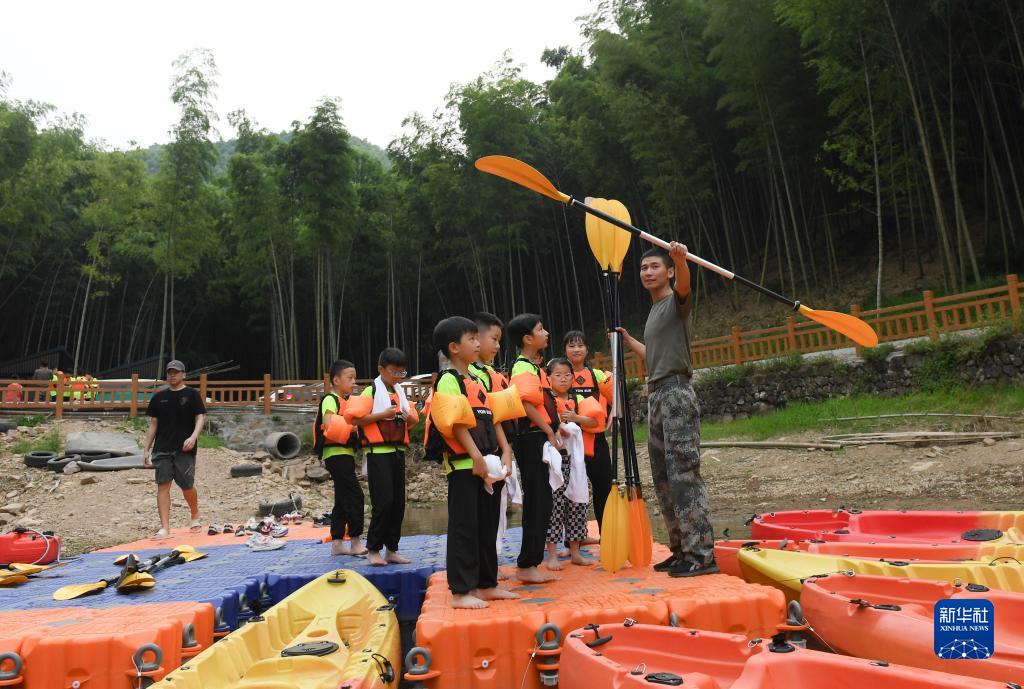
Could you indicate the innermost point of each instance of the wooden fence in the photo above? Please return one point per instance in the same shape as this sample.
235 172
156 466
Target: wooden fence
929 317
133 395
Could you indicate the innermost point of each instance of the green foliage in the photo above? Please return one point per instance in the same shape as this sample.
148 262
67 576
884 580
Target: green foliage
207 440
51 442
878 354
32 420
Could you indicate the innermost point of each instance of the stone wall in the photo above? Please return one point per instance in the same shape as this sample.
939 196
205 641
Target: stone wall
245 431
765 388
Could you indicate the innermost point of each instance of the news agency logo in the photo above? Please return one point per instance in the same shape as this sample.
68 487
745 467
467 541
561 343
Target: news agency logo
964 629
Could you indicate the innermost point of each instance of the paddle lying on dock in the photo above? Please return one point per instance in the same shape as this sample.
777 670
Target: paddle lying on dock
524 175
133 575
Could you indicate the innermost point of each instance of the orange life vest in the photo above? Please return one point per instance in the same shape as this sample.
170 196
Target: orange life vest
391 431
532 389
334 435
483 434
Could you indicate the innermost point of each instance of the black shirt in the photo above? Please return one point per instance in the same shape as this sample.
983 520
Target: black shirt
175 412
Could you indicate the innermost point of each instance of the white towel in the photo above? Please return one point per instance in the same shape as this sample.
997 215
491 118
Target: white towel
495 472
576 491
512 487
510 494
553 458
382 398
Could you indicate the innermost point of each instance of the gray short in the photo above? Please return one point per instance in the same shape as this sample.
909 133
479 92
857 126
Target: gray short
177 466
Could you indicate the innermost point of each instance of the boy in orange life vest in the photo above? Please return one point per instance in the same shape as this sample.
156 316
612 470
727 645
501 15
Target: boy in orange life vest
472 559
386 438
527 332
335 441
568 518
590 382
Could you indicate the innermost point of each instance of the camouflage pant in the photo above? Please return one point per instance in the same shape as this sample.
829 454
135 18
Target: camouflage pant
674 448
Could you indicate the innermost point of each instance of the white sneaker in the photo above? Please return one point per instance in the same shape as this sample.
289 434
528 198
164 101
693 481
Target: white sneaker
261 542
279 531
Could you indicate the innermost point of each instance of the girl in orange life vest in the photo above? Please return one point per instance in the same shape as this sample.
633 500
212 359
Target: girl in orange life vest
386 439
568 519
589 382
471 559
336 441
527 333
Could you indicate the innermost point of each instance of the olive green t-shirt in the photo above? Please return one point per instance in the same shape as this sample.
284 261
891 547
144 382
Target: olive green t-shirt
667 337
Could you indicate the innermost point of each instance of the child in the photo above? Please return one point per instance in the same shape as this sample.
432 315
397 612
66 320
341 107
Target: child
568 517
335 441
587 382
471 559
386 438
527 332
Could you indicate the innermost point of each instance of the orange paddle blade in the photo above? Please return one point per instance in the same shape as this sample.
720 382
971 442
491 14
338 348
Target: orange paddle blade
640 553
522 174
851 326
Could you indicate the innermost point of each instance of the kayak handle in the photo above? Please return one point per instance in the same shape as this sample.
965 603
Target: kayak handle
598 640
15 671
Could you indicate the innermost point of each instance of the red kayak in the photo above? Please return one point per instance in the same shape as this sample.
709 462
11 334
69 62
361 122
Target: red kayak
894 526
728 561
616 656
29 547
885 617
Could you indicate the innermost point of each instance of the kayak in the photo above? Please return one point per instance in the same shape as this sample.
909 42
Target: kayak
616 656
891 618
786 569
727 551
29 547
338 630
891 526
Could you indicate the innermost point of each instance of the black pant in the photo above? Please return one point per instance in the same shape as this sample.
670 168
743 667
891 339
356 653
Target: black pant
348 497
386 476
472 556
599 471
533 475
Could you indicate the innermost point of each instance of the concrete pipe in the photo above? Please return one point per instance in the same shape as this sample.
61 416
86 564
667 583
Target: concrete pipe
283 445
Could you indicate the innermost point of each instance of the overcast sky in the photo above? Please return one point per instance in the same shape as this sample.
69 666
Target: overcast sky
111 59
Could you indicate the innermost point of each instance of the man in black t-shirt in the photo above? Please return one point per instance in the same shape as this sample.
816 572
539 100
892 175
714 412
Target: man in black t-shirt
176 416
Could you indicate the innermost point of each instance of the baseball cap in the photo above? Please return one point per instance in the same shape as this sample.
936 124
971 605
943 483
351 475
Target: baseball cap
175 364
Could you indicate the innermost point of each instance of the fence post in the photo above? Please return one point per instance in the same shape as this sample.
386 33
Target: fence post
791 334
1013 283
133 408
58 411
266 394
737 350
855 312
929 312
202 387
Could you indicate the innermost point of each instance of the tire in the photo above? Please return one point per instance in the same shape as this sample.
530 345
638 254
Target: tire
58 463
6 425
280 508
93 455
240 470
39 458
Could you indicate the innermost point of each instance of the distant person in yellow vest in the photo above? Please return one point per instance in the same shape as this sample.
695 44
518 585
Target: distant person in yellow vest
77 388
55 378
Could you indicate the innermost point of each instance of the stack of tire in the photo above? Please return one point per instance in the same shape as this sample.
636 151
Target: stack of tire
41 459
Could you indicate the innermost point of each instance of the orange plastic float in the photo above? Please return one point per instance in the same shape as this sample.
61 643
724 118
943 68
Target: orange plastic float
891 525
726 551
619 656
512 643
885 617
113 648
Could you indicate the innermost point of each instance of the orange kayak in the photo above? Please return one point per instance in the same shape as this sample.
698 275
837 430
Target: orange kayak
614 656
893 618
728 561
904 526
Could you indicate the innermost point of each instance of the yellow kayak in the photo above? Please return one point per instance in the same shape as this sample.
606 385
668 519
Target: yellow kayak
786 569
337 630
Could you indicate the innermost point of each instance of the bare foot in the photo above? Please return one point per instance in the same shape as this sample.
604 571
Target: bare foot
554 564
396 559
533 575
358 549
496 593
468 602
591 540
564 552
578 559
375 559
503 575
339 547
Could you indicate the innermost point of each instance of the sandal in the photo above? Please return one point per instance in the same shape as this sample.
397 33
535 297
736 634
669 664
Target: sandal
213 530
195 526
160 535
228 529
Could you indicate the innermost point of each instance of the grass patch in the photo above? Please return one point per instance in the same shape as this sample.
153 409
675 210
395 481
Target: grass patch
641 433
51 442
814 416
32 420
206 440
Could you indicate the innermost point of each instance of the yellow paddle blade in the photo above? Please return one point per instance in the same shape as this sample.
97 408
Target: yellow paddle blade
639 532
120 559
615 531
620 237
522 174
608 243
78 590
595 234
21 568
13 580
191 555
851 326
135 581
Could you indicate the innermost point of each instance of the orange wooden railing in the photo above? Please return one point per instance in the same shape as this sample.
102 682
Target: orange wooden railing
929 317
133 395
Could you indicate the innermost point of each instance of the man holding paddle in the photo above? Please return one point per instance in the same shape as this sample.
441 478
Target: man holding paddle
674 417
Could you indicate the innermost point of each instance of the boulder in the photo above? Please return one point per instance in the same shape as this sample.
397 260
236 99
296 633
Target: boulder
87 479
